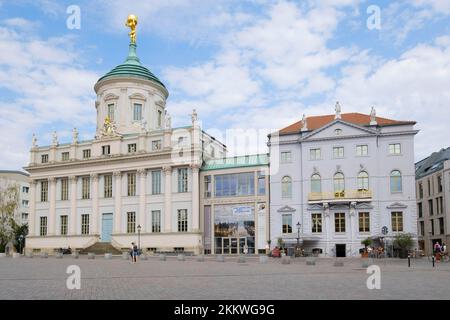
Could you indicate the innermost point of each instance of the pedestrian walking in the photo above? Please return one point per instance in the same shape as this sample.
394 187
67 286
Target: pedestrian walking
134 252
437 251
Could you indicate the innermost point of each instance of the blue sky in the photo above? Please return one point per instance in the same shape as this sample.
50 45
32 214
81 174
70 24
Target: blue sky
243 65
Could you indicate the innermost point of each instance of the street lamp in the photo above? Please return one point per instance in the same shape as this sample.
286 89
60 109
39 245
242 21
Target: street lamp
139 237
20 243
298 236
431 242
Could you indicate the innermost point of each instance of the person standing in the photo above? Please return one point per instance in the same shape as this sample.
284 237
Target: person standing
437 251
134 252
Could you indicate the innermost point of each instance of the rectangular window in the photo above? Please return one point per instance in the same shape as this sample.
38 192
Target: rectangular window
156 145
286 223
314 154
441 225
238 184
261 183
432 227
24 217
25 189
44 191
25 203
316 219
182 220
338 152
182 140
107 192
43 226
86 153
397 221
394 148
339 222
364 222
131 222
422 228
137 112
131 184
159 118
362 150
182 180
439 181
85 188
430 207
65 156
44 158
132 148
208 186
156 221
419 210
420 191
106 150
64 189
286 157
156 182
63 225
111 111
84 224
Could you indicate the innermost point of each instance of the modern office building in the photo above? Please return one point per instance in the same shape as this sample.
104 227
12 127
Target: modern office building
235 204
433 199
342 178
137 178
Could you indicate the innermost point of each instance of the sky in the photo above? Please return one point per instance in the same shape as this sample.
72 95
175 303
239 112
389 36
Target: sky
245 66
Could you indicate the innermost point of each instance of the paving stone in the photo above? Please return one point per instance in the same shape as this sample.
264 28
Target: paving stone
263 259
310 261
201 258
181 257
162 257
241 259
108 256
338 263
91 256
220 258
285 260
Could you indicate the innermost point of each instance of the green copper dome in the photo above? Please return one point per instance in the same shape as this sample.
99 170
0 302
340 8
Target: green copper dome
133 68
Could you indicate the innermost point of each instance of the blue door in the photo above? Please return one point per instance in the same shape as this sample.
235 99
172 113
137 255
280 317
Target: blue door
107 227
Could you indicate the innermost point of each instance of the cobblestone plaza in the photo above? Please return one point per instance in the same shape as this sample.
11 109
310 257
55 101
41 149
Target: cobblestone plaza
39 278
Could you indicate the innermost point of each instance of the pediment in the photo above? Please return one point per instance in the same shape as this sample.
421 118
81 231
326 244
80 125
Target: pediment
286 209
340 207
397 205
347 129
111 96
363 206
137 96
315 207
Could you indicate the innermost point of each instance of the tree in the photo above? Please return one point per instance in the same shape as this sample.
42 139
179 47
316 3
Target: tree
366 242
404 242
9 202
20 231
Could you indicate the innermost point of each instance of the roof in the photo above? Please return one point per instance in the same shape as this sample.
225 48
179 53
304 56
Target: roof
433 163
132 67
236 162
15 172
316 122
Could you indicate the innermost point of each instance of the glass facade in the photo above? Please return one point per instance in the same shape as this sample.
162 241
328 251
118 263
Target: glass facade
239 184
234 228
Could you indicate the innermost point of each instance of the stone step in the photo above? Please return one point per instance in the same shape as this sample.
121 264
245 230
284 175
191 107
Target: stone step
101 248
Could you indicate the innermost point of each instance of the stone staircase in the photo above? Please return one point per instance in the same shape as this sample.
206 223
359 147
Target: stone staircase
100 248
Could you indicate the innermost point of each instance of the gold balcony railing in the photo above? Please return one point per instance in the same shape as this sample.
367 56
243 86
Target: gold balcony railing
341 195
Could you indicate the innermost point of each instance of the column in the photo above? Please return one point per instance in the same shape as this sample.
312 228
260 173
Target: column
142 198
95 214
167 199
32 215
117 202
73 205
52 207
352 225
326 213
195 198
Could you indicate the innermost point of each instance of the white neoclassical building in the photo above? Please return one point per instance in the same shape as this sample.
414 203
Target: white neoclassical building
137 175
338 179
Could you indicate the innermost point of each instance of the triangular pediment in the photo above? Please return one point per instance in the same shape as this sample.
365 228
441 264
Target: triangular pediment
315 207
340 207
363 206
397 205
338 129
286 209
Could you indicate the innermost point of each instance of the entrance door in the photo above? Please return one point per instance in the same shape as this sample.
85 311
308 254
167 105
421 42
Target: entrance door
340 250
107 227
226 245
234 245
242 243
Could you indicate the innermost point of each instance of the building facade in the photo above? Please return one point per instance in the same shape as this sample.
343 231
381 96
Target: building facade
235 204
20 180
338 179
137 175
433 199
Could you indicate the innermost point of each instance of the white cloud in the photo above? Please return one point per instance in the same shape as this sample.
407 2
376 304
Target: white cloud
43 88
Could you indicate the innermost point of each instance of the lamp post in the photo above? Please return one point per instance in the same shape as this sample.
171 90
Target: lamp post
139 237
20 243
298 236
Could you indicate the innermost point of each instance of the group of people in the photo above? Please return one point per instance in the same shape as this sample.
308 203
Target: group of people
439 250
377 252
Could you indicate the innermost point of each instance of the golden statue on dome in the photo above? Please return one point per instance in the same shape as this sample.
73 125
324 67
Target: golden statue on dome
131 22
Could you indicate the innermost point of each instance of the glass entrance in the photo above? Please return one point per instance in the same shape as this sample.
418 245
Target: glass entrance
232 245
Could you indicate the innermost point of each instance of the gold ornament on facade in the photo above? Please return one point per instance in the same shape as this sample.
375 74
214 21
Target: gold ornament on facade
131 22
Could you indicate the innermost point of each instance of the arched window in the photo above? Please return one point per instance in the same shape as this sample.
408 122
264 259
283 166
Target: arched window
339 182
316 185
286 187
396 181
363 181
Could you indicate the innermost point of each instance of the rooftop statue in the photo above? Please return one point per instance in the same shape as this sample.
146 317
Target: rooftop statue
131 22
